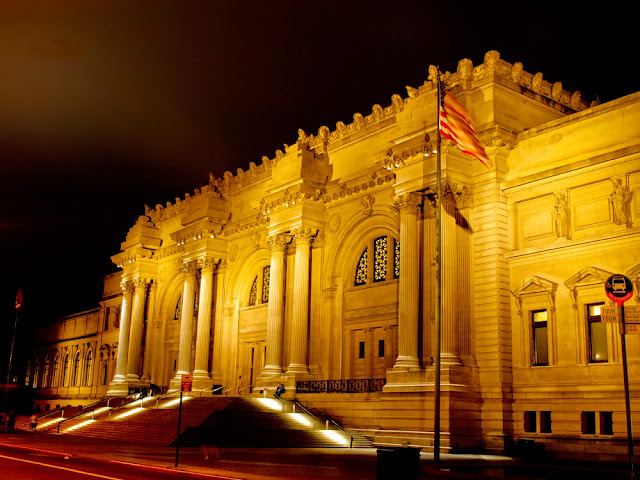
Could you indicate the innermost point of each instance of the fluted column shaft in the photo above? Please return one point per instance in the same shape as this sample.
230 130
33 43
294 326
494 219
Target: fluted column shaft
450 281
137 327
149 347
217 332
186 320
203 331
123 335
409 282
300 317
275 310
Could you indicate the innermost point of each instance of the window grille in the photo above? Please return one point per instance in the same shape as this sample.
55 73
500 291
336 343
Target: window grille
253 293
396 258
266 279
380 259
361 271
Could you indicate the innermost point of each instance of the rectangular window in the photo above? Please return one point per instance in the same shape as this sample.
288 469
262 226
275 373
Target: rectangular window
530 422
606 423
545 422
597 334
540 337
380 348
588 423
361 353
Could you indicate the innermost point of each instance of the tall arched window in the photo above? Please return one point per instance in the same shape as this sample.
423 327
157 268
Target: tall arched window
45 373
75 379
87 368
54 374
385 264
104 361
36 374
65 371
259 292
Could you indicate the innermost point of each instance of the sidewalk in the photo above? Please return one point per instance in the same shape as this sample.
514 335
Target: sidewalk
302 463
249 464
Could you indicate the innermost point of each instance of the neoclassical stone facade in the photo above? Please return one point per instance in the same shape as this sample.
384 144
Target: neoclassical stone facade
318 264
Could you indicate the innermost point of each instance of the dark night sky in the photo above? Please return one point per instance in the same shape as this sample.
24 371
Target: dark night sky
107 106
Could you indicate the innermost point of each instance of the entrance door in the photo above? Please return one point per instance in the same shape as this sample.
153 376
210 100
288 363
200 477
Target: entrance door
252 357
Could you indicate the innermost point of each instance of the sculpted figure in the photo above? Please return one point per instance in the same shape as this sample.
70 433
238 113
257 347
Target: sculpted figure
620 199
561 215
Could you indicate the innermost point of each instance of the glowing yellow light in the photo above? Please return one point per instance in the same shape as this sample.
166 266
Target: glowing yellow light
51 422
335 436
596 310
302 419
79 425
271 403
175 401
133 411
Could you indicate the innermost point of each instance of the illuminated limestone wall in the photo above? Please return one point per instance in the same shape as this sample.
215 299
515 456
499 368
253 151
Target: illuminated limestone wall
74 358
318 264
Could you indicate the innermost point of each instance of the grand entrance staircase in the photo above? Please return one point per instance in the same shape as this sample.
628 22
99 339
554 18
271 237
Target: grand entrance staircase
227 421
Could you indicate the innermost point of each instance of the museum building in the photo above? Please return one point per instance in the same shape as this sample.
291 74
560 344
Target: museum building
317 266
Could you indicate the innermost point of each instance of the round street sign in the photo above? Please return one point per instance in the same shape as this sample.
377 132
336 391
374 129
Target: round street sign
618 288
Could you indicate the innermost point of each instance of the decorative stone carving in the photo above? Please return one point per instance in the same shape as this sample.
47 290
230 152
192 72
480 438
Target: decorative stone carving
620 199
334 223
561 214
408 203
367 204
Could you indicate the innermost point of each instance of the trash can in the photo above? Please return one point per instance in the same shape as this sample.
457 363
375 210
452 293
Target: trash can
395 463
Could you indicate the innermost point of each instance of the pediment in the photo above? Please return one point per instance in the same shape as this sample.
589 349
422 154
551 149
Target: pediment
588 276
535 284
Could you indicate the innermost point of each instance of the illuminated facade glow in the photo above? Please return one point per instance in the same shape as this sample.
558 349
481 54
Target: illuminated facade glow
318 264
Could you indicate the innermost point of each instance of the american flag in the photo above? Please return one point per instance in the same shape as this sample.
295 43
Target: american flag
456 125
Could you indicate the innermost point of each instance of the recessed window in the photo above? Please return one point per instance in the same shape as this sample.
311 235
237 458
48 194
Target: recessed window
380 348
588 423
383 261
597 334
361 350
253 293
606 423
530 422
540 337
545 422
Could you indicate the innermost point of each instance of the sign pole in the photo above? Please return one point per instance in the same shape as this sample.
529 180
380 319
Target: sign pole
627 401
620 289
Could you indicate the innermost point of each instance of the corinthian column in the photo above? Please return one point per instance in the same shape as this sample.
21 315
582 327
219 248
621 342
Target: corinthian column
451 284
137 327
186 320
275 310
300 317
409 281
123 334
203 331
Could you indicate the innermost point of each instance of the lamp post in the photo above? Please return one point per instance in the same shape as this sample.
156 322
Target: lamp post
13 339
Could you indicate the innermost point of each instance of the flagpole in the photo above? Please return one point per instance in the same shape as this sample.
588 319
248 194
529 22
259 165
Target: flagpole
438 323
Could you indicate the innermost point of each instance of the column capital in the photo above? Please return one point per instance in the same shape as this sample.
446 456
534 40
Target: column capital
408 203
304 235
207 263
279 241
126 286
222 266
189 268
140 282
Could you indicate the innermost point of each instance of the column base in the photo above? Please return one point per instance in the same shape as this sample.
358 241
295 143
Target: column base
297 368
271 371
406 363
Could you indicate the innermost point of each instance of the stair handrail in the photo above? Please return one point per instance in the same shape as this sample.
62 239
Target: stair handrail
124 403
237 386
275 397
162 397
241 389
91 408
328 420
209 388
57 410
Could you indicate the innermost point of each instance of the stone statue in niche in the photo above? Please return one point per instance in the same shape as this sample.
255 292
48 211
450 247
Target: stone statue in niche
561 215
620 199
